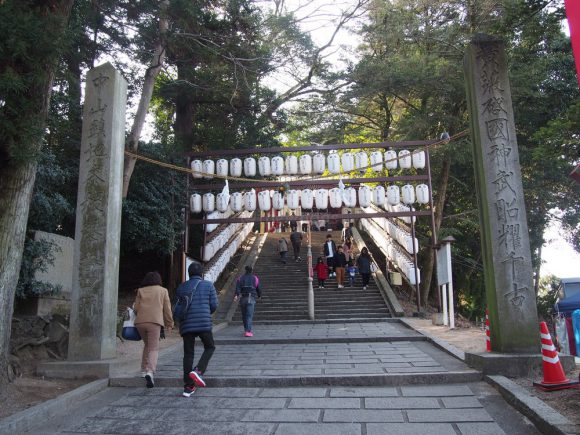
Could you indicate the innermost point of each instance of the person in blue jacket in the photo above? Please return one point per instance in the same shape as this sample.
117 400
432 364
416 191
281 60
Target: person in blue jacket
197 323
247 290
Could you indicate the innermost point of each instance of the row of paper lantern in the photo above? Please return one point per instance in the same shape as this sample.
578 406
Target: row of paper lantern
307 164
391 250
307 198
213 272
401 208
217 215
221 239
401 235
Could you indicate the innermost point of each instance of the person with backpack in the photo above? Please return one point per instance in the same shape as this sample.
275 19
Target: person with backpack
196 302
247 290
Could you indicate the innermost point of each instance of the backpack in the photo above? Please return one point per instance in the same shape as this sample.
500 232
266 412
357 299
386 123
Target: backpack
182 304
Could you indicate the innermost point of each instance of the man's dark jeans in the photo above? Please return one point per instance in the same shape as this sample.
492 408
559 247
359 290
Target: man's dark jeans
188 353
296 249
248 305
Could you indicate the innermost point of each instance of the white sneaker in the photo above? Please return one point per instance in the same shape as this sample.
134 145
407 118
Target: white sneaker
364 287
340 286
149 380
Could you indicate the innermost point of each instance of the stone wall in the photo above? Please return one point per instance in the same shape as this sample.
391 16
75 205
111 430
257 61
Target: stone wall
59 273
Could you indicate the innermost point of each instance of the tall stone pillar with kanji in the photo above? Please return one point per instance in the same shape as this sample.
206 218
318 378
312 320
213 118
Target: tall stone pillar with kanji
504 230
93 323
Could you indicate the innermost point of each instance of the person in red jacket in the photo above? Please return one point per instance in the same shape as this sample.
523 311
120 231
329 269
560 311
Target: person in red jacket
321 270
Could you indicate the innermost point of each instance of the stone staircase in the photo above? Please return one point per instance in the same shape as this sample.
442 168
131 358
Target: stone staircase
285 289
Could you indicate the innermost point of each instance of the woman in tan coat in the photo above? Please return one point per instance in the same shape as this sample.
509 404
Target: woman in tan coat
153 310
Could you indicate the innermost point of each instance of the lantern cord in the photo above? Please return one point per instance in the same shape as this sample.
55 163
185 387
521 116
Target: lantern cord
173 167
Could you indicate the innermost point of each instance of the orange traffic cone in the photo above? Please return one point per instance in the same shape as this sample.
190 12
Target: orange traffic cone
487 338
554 377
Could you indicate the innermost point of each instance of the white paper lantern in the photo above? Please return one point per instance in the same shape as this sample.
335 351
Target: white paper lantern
335 195
408 193
422 191
364 196
236 202
264 166
195 203
349 197
307 199
377 161
405 159
293 199
361 161
208 202
278 201
347 161
291 165
208 168
236 167
305 164
319 163
208 252
393 195
221 168
418 159
379 196
250 167
264 200
391 159
250 200
222 202
277 166
321 199
196 168
334 163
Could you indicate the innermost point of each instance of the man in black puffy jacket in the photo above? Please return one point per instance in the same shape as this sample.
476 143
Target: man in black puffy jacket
196 323
247 290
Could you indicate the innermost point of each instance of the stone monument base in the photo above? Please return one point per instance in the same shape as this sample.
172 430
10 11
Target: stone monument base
77 369
512 365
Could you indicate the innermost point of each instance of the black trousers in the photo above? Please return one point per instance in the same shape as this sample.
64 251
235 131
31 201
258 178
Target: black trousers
366 277
296 248
206 338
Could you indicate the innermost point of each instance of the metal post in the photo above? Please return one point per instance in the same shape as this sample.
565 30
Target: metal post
310 278
417 288
450 288
444 293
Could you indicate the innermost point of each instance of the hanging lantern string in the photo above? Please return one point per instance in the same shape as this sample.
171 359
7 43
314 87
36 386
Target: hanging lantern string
171 166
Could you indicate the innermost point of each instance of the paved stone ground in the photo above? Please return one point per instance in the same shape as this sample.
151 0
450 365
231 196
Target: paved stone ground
377 382
321 331
441 409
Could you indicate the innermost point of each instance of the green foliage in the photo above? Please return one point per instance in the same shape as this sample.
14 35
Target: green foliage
547 295
37 256
153 211
52 210
26 63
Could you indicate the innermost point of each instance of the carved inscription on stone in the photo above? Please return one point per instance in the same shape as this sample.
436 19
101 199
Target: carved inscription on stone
506 196
92 243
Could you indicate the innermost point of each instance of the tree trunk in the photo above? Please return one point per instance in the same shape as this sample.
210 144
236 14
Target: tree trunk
15 195
17 175
537 272
152 72
430 256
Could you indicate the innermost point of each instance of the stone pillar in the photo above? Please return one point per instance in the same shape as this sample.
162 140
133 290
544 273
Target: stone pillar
504 231
93 323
